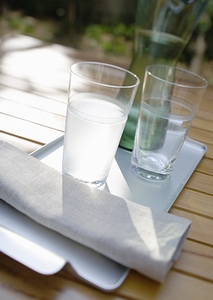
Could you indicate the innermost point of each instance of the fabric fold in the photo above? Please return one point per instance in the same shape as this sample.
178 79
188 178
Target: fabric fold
135 236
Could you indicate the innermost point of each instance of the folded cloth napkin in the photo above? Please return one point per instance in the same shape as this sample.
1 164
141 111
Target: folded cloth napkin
133 235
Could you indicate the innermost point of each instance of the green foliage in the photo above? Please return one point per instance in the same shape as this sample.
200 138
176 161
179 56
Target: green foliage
96 31
111 38
115 38
18 23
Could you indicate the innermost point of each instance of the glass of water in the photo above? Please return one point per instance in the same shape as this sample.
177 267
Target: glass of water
99 100
170 99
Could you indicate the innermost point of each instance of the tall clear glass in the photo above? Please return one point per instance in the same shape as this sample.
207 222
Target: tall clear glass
170 99
163 28
99 101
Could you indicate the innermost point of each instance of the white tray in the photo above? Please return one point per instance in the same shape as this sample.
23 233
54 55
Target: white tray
124 183
47 252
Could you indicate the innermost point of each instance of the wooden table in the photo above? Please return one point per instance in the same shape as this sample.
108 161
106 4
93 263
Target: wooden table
33 95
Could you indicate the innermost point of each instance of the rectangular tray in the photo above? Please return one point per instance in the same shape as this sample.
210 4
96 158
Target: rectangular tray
124 183
47 252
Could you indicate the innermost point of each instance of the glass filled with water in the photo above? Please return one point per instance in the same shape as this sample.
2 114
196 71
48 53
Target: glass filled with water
170 99
99 101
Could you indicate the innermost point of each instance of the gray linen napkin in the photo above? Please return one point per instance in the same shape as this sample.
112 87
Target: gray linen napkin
133 235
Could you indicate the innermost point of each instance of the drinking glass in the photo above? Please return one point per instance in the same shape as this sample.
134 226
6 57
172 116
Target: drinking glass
170 99
99 100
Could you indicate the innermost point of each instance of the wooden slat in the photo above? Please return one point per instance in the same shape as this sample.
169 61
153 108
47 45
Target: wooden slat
26 284
28 130
198 248
201 135
24 145
206 166
204 124
195 202
33 115
196 265
205 115
176 286
201 182
201 228
63 286
34 100
8 82
209 153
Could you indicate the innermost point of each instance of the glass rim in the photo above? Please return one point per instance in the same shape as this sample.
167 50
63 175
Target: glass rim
111 66
185 71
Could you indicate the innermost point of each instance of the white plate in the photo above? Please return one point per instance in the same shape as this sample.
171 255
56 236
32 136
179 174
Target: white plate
47 252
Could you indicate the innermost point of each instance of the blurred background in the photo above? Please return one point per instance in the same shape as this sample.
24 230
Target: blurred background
106 27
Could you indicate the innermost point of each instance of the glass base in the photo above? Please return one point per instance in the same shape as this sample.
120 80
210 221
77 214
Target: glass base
96 184
149 175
